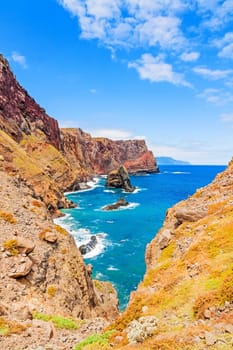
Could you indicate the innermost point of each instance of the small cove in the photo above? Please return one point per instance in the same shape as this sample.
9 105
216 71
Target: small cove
124 233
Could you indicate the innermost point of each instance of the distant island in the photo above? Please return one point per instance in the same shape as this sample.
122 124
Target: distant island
170 161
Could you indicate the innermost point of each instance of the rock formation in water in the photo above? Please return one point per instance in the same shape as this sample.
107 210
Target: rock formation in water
89 246
119 178
120 203
188 285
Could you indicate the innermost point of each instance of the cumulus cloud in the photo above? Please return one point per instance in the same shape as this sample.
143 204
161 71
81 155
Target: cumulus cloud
213 74
190 56
20 59
156 70
156 27
139 22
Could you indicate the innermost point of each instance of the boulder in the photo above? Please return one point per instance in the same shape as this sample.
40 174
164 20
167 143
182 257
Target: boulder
119 178
120 203
24 245
50 237
141 329
86 248
164 239
190 214
19 266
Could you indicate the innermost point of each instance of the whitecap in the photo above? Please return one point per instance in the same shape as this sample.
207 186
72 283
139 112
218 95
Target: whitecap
112 268
91 186
109 191
180 172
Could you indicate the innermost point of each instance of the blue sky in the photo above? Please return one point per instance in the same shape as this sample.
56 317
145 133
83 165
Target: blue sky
161 70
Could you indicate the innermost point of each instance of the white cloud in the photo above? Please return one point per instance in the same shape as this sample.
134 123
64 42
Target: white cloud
156 70
162 30
226 45
140 22
190 56
113 134
227 117
215 13
213 74
20 59
217 96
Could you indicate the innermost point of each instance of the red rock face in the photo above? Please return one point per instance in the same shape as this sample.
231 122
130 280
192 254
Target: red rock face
19 113
101 155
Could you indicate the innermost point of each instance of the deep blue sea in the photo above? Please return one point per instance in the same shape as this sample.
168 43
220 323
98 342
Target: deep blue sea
123 234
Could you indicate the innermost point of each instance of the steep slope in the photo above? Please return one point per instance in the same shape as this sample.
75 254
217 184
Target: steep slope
186 298
36 150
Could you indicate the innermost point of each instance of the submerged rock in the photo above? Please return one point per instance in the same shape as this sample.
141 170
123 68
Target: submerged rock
86 248
119 178
120 203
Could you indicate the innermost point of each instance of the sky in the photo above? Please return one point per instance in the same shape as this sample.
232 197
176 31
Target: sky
161 70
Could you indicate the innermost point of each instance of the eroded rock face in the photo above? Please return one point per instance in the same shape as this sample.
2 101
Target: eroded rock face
101 155
19 113
119 178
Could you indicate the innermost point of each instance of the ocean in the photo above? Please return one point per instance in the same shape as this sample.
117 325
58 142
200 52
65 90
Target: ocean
123 234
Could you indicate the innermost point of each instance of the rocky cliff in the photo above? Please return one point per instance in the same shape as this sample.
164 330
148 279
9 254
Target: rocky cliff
185 300
101 155
37 151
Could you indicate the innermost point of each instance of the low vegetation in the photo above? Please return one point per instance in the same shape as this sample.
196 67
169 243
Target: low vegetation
58 321
95 341
10 327
7 217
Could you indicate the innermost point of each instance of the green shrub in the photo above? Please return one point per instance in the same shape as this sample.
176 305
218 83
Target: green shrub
58 321
97 339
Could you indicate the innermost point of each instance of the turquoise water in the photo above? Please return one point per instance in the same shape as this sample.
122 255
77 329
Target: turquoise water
123 234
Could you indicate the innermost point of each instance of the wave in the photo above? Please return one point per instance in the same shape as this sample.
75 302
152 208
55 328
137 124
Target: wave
91 186
109 191
112 268
176 172
83 236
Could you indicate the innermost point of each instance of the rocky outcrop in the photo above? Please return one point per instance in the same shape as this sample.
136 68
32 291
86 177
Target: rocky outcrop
120 203
119 178
88 247
40 264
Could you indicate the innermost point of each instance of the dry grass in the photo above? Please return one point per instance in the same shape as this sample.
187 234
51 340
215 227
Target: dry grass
7 217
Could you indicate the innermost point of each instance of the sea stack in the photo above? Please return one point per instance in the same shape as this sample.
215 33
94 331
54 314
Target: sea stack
119 178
